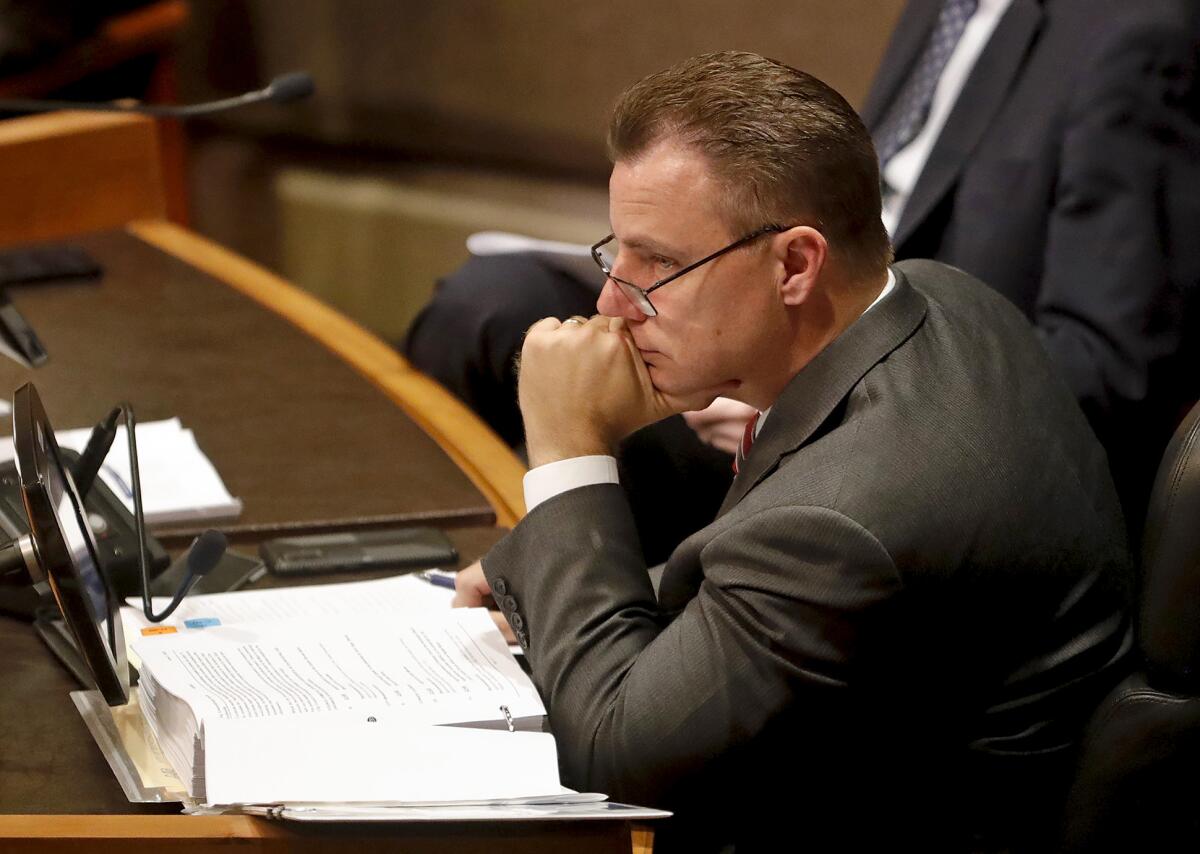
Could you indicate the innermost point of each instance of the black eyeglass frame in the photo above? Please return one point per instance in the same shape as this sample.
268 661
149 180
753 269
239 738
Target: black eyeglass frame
641 296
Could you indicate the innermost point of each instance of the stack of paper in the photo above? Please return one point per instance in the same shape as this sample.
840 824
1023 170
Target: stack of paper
347 702
179 483
293 712
573 808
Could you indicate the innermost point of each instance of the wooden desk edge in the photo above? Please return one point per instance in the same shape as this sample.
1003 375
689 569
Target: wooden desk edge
45 830
476 450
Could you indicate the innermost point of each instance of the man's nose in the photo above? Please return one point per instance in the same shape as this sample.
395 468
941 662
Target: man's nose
614 303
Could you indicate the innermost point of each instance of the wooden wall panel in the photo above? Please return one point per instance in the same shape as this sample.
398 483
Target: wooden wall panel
69 172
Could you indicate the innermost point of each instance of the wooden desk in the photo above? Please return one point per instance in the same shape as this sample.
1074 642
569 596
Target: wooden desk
68 174
310 420
304 439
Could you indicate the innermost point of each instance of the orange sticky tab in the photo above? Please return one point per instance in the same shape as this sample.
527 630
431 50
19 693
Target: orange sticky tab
159 630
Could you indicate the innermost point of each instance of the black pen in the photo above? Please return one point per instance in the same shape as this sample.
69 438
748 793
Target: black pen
19 333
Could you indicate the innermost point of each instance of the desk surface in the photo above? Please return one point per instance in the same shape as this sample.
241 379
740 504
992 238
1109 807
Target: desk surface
296 433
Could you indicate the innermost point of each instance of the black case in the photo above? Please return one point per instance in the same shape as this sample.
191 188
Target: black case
418 548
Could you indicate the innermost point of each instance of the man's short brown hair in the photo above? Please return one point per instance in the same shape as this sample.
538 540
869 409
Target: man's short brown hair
787 148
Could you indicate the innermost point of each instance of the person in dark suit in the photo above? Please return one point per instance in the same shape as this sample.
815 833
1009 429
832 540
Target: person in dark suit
1054 156
1064 177
914 592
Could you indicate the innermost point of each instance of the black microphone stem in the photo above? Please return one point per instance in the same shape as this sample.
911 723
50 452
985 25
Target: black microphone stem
159 111
207 549
286 87
139 518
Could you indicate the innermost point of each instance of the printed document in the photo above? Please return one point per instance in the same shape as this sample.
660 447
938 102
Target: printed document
382 599
304 705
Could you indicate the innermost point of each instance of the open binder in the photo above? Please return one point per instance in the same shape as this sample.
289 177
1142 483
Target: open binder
481 755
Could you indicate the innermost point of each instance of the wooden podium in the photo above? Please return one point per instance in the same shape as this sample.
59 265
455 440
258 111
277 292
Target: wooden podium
173 305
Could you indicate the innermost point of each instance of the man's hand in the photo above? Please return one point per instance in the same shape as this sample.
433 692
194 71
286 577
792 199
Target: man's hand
722 424
471 590
583 387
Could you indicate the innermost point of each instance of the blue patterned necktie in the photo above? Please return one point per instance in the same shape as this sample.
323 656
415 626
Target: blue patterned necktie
909 111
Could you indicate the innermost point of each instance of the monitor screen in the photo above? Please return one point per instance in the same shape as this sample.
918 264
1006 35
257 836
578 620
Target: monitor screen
65 547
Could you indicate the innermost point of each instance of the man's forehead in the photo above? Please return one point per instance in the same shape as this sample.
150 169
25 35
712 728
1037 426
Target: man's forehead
667 165
670 180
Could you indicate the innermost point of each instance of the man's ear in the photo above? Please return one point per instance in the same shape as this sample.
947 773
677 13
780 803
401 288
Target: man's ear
803 252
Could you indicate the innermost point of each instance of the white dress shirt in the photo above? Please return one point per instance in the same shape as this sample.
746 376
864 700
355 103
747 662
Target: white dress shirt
900 174
544 482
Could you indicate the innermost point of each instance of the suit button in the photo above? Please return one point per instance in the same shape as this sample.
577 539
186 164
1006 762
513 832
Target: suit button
523 639
500 587
516 621
509 604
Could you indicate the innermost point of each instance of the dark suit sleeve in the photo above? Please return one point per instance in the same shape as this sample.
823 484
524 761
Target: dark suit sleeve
1118 255
639 699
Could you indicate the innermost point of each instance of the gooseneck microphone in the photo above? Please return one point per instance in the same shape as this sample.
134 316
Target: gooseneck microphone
201 558
202 555
283 89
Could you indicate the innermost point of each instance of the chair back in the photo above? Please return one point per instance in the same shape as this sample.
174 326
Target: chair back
1138 781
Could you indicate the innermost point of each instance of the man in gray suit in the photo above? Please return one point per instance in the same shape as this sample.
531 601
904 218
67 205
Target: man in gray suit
1047 147
914 593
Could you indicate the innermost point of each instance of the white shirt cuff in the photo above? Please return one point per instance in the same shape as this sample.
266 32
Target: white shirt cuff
545 482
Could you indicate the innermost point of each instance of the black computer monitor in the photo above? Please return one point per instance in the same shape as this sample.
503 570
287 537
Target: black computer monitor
65 548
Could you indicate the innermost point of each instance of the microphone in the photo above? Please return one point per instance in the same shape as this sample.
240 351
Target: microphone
292 86
283 89
201 558
205 553
202 555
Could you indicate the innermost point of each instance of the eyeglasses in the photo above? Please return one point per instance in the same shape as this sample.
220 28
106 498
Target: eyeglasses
605 255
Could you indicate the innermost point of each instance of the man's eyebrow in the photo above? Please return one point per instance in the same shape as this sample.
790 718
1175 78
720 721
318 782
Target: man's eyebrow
646 244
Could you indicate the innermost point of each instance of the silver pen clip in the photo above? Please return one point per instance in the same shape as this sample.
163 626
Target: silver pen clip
508 718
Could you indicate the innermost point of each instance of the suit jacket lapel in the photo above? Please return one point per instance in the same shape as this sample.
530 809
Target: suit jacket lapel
981 97
825 381
905 45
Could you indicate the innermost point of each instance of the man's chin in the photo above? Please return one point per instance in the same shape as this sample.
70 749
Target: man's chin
666 381
671 384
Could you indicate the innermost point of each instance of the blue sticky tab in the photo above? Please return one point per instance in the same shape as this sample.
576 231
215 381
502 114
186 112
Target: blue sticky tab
202 622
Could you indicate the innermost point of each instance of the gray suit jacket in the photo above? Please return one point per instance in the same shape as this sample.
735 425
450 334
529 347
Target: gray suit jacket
909 603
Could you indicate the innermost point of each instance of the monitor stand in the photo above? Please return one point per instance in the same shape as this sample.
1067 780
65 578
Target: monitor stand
130 749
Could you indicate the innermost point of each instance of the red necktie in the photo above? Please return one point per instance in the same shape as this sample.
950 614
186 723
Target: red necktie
747 441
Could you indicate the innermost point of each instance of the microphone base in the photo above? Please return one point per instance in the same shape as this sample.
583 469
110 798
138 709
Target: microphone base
112 526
